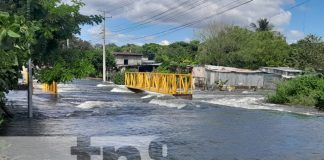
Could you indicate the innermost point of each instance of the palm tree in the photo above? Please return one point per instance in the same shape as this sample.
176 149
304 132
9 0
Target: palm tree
262 25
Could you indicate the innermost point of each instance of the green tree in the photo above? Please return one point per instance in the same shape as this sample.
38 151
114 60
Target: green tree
57 21
264 49
221 45
150 50
15 36
132 48
239 47
178 54
262 25
308 53
96 59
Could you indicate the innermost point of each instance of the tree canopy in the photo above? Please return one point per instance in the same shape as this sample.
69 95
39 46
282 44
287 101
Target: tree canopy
262 25
239 47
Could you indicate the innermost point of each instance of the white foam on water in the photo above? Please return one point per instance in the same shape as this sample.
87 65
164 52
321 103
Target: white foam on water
168 103
244 102
92 104
120 90
104 85
147 96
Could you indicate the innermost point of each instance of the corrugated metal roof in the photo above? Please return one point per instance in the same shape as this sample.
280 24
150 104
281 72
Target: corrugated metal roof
229 69
287 69
127 54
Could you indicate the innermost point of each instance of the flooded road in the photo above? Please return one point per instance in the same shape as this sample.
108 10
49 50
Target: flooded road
193 130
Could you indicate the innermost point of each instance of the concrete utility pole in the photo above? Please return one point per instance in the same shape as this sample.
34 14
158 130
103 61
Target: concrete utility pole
30 73
104 70
67 43
104 48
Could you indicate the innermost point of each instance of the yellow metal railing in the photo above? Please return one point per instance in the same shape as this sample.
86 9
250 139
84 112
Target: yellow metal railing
165 83
52 88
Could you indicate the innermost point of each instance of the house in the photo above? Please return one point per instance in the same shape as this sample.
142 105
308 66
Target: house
134 60
241 78
284 72
126 59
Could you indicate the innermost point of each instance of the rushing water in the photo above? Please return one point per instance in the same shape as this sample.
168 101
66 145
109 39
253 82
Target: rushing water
198 129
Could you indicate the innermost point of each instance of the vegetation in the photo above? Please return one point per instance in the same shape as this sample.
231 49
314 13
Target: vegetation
262 25
305 90
308 53
239 47
119 78
220 84
41 32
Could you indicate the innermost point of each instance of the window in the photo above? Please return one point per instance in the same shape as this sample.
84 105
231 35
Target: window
125 61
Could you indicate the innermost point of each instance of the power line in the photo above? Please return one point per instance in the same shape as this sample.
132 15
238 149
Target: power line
166 18
151 19
288 9
174 29
292 7
122 6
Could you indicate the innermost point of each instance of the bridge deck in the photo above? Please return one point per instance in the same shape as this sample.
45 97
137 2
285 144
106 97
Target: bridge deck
174 84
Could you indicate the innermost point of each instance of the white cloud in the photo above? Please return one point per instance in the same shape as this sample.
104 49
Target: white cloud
179 12
96 32
294 35
165 43
187 40
176 13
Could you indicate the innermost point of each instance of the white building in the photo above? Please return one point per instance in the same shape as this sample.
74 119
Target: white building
126 59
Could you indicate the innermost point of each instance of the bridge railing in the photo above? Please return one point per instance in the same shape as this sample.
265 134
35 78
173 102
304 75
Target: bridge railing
51 88
165 83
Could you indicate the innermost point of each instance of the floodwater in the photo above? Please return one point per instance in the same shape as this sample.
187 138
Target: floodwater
208 127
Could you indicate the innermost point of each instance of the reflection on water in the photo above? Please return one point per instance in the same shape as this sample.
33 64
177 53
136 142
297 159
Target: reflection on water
198 129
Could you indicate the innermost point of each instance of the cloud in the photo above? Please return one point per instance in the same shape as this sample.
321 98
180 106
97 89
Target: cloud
294 35
182 12
187 40
96 32
175 13
165 43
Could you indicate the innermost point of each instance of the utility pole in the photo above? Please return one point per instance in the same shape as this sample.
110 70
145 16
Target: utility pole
30 72
104 47
67 43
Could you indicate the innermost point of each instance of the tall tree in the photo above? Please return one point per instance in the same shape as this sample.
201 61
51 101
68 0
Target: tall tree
57 21
239 47
308 53
262 25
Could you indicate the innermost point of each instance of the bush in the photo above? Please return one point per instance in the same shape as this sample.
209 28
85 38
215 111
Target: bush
320 103
119 78
305 90
2 105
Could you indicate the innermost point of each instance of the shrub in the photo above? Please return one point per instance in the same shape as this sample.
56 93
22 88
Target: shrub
304 90
320 103
119 78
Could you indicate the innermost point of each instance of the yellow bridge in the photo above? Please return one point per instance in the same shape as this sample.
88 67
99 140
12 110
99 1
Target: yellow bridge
50 88
173 84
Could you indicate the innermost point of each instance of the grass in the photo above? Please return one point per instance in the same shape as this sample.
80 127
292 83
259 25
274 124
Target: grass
304 90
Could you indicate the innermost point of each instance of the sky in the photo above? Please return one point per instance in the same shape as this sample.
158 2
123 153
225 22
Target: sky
167 21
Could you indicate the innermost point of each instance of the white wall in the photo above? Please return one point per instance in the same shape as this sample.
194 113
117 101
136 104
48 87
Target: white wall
132 60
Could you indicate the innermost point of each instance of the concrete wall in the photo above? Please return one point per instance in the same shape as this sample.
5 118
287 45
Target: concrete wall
132 60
